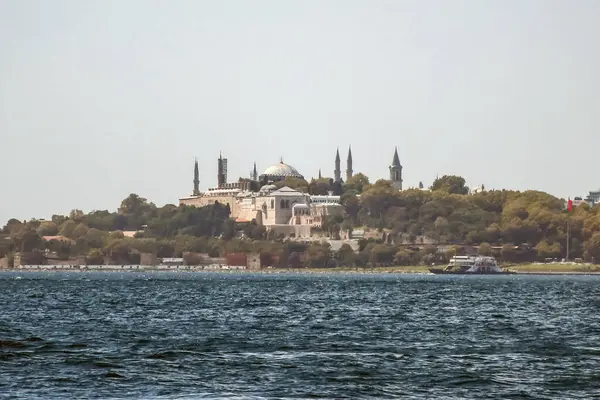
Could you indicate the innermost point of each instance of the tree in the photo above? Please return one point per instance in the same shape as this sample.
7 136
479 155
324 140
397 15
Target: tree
357 183
12 226
67 229
59 219
133 205
318 255
319 186
547 250
47 228
95 257
485 249
351 205
592 248
228 229
76 215
382 254
27 240
450 184
402 258
346 255
509 253
80 231
294 183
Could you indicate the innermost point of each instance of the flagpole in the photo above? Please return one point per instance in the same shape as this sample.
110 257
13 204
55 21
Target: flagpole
569 209
568 238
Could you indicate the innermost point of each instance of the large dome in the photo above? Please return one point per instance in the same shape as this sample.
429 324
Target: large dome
281 171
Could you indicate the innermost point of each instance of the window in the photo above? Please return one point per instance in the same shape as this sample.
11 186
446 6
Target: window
272 203
282 204
287 204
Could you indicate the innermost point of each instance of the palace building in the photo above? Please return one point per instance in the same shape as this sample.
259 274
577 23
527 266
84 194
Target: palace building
281 209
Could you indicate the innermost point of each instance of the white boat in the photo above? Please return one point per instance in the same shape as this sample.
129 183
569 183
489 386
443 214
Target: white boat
466 265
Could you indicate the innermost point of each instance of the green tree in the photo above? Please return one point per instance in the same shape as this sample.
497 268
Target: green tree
298 184
12 226
509 253
451 184
319 186
27 240
485 249
383 254
95 257
47 228
80 231
403 258
345 255
357 183
76 215
95 238
67 229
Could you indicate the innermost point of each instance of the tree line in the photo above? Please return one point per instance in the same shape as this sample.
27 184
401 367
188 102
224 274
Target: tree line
406 227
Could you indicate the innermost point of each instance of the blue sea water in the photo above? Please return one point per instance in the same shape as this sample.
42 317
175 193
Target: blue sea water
260 336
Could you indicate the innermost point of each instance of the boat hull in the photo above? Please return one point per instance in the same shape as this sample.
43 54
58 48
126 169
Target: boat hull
442 272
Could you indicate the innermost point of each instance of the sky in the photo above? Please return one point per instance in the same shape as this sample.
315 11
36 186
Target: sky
100 99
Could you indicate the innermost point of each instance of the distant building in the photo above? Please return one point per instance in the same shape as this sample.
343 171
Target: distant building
396 171
282 210
593 198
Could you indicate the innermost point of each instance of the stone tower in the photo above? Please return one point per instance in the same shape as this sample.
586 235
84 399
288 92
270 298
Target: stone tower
196 179
337 173
396 171
349 164
221 171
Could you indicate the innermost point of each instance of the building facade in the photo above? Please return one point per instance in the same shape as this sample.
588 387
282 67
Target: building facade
283 210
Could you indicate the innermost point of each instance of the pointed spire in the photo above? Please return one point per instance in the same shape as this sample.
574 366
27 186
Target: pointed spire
254 173
281 160
396 171
196 178
396 161
349 171
337 172
320 176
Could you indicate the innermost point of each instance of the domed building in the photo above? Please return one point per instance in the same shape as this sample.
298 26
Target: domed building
278 172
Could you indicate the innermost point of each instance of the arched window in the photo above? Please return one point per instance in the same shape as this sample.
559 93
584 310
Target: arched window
287 204
282 204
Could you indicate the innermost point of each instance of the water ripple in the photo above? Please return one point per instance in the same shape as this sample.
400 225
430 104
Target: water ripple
254 336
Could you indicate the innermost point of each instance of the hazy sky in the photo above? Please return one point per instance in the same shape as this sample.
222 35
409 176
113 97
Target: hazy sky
99 99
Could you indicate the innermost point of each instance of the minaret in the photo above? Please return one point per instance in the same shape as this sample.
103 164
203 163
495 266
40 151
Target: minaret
254 173
320 177
349 165
337 173
196 179
221 171
396 171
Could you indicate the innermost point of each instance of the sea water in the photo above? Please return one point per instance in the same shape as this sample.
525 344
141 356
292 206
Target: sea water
242 335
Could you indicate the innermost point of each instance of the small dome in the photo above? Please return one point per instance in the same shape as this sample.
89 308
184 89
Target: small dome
281 170
268 188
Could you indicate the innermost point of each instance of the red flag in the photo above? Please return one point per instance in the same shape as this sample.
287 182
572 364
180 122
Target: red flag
570 205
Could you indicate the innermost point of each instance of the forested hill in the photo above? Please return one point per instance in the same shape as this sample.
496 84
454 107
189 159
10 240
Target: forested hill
445 214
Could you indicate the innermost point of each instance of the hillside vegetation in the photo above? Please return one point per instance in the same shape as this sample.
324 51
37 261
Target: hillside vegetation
514 226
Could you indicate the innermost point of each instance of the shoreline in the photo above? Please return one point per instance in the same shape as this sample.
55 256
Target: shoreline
418 270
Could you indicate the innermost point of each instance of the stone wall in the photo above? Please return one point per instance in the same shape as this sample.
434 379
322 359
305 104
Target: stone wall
202 201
